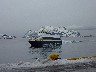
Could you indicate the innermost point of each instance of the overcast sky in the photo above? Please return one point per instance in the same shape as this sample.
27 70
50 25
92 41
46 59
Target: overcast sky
22 15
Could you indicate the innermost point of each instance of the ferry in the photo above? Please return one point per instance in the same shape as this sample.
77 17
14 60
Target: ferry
41 41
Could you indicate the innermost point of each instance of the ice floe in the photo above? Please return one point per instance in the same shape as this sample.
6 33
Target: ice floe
70 41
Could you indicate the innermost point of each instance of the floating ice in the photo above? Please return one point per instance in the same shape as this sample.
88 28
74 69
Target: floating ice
70 41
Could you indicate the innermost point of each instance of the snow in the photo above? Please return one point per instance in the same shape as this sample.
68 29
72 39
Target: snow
38 65
5 36
62 31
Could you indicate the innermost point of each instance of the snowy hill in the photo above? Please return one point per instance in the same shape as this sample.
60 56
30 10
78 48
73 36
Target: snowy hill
27 35
5 36
62 31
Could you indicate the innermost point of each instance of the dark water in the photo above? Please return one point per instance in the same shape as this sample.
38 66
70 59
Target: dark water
15 50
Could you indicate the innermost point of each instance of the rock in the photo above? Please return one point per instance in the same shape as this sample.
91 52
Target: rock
5 36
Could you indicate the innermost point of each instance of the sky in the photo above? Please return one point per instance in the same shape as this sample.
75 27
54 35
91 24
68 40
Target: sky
22 15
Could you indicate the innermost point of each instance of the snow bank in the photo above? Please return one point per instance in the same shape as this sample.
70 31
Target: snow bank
57 65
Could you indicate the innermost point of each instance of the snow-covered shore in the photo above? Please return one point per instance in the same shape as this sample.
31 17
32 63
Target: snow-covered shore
64 65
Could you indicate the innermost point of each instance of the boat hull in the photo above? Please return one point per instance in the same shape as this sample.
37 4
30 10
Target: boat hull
39 44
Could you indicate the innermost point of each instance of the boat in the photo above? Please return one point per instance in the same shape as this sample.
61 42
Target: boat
42 41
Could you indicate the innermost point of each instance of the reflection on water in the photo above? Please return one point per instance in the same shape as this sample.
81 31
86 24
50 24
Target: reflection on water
43 53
